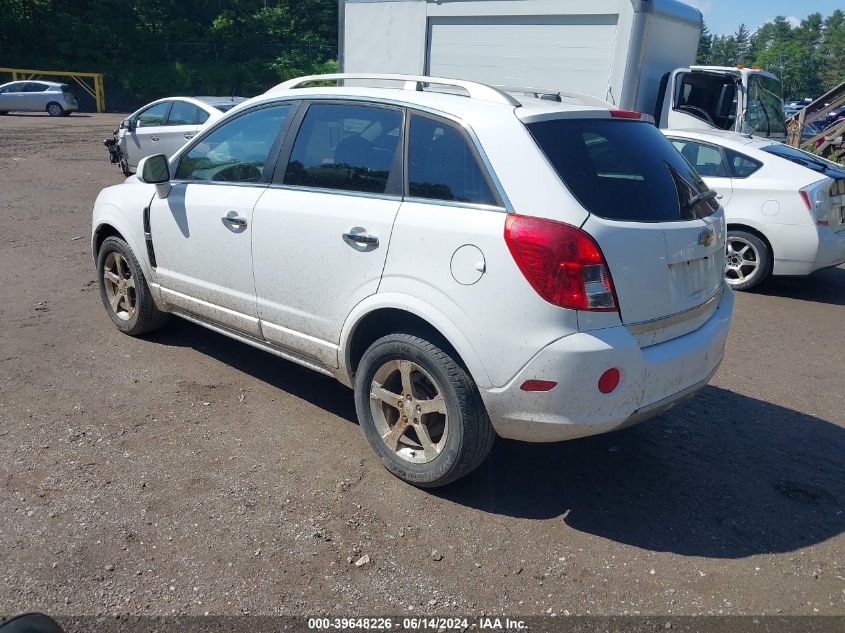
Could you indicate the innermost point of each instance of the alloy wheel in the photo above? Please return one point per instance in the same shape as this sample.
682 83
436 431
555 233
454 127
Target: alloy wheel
743 261
119 285
409 411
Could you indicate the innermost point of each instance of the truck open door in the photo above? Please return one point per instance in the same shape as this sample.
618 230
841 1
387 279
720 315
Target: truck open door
701 99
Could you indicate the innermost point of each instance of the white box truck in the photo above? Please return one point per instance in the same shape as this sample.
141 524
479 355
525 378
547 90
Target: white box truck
635 54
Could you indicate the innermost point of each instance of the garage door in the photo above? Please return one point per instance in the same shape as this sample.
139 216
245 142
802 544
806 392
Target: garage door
564 52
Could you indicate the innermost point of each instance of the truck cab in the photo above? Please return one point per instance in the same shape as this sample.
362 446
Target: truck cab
746 100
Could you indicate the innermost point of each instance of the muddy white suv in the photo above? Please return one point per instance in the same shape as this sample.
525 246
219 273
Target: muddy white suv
471 264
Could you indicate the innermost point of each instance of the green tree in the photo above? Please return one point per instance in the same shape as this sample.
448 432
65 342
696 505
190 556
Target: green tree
832 51
742 42
705 44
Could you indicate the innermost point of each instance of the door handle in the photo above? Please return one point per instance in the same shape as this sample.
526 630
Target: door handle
364 239
719 196
189 136
154 139
234 220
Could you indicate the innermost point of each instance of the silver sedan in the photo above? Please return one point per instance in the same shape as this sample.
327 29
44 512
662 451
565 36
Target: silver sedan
163 126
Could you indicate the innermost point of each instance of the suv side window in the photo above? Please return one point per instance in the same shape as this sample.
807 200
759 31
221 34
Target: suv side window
237 150
182 113
707 160
741 166
346 147
154 115
443 166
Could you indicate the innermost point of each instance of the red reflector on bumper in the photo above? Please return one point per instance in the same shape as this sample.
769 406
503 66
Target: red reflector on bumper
609 380
538 385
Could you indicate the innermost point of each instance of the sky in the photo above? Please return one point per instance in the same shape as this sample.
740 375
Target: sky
724 16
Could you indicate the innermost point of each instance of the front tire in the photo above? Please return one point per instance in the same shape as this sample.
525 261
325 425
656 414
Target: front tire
124 290
749 261
421 411
54 109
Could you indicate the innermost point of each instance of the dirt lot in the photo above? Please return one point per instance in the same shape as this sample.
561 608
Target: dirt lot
187 473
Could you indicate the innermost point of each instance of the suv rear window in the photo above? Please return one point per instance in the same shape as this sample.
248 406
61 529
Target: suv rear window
622 170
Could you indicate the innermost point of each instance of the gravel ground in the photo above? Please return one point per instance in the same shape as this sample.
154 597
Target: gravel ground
186 473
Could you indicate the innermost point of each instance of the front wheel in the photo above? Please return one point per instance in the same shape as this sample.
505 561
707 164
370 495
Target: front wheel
748 262
124 290
421 411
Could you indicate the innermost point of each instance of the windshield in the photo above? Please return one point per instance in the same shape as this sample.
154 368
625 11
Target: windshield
805 159
765 106
623 170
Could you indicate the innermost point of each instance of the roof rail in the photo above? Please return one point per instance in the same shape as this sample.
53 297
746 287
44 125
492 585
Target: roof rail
474 89
554 94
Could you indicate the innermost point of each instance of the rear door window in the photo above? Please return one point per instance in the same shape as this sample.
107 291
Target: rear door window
182 113
443 166
347 147
623 170
707 159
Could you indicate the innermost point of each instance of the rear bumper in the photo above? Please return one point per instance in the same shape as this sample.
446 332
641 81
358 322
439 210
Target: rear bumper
831 251
654 379
801 250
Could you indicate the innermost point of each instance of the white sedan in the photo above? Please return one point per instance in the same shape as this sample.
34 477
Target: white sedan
785 208
163 126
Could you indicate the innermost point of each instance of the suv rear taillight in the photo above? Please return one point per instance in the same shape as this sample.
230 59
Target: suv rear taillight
561 262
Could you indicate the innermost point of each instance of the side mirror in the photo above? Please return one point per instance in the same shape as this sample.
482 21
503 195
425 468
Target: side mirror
154 170
127 124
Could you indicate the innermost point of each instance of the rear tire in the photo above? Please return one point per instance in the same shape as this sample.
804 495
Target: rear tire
55 109
441 430
124 290
749 261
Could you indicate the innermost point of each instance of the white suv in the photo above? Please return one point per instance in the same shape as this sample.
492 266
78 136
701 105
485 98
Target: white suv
471 265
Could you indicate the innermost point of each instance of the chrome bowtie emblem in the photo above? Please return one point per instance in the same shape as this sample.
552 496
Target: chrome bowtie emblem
706 237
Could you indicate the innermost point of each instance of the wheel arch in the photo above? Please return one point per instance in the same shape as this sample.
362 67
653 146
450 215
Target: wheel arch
103 231
739 226
384 315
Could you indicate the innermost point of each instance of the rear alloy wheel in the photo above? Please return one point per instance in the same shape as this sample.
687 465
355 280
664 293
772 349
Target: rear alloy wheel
420 411
748 261
54 109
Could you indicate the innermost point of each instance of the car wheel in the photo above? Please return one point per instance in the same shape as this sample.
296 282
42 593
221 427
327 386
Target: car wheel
748 263
421 411
54 109
124 290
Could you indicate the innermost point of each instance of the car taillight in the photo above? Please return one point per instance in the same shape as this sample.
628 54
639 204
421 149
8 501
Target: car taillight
812 199
561 262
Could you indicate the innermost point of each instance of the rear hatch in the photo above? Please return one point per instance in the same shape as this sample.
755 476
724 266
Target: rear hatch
660 230
67 93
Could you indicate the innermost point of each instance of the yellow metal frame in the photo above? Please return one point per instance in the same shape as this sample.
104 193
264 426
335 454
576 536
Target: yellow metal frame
96 91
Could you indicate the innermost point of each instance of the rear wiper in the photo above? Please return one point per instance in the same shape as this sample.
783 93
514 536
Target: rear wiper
701 197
